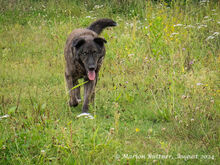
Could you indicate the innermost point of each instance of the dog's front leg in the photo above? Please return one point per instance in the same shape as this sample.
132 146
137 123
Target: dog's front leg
93 92
72 92
88 90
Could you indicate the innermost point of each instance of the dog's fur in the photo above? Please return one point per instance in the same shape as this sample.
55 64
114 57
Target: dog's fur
84 53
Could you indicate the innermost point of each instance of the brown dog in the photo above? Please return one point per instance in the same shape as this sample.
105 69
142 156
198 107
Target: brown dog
84 53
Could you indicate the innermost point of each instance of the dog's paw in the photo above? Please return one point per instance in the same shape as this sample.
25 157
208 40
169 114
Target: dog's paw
85 115
73 103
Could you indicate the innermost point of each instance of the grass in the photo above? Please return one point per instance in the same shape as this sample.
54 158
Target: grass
158 93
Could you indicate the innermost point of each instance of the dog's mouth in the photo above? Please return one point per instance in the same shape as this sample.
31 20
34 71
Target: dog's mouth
91 74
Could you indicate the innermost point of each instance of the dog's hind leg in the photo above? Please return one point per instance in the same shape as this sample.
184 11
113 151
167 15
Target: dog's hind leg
72 92
88 91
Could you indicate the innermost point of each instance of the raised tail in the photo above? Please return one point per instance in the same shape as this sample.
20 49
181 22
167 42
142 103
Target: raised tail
101 24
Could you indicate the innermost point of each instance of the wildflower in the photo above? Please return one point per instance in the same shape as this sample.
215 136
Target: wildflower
112 130
178 25
130 55
173 34
98 6
198 84
202 26
137 129
88 16
209 38
146 59
42 151
183 49
5 116
189 26
191 62
215 34
204 1
184 96
192 119
206 17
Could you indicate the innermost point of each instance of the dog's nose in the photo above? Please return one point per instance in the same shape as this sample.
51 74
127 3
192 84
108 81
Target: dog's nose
92 67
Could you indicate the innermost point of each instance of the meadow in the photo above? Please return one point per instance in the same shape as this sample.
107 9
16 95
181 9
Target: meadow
157 98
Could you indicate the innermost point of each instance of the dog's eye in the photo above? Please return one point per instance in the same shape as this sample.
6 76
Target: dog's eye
84 53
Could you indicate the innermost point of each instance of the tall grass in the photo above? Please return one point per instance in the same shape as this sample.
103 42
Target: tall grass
158 92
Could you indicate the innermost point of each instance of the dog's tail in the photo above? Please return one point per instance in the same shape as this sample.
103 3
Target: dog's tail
101 24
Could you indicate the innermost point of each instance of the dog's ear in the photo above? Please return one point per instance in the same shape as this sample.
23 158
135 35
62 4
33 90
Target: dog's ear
77 43
100 41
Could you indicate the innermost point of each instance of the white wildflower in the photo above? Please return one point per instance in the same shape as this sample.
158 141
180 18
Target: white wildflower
202 26
130 55
215 34
112 130
204 1
206 17
178 25
88 16
4 116
173 34
210 38
189 26
98 6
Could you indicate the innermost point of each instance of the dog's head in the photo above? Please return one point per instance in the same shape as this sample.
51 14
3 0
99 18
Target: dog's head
88 52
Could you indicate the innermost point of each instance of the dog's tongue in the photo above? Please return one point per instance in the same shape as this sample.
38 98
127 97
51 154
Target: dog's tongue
91 75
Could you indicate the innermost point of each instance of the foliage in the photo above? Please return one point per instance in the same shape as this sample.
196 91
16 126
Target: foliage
158 92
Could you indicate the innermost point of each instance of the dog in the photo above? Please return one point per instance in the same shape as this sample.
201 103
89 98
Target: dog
84 53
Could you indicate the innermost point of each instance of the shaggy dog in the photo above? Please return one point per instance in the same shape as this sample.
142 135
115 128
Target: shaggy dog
84 53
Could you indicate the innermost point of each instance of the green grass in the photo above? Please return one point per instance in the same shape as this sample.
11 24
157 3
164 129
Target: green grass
158 91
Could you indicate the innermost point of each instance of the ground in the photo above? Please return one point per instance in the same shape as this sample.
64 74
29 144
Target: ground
157 98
